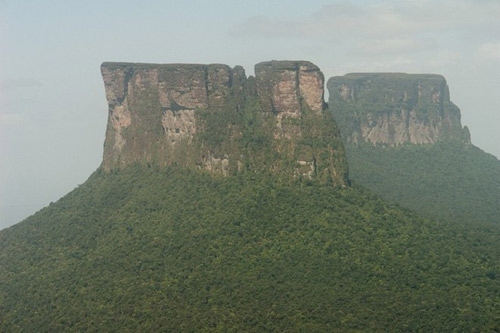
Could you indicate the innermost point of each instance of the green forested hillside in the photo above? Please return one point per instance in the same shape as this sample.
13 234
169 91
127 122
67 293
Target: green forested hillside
145 250
447 179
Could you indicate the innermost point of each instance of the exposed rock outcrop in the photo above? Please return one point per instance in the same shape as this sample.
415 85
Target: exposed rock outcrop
394 109
152 107
281 85
214 117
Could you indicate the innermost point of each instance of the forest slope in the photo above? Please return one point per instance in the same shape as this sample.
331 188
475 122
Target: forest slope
143 249
443 180
223 204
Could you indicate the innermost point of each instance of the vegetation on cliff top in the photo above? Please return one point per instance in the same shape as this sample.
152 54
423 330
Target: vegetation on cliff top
143 249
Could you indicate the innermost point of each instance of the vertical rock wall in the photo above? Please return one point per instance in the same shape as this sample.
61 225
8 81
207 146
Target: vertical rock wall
213 117
283 85
152 107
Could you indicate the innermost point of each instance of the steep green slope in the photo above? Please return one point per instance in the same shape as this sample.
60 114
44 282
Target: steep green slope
179 250
445 179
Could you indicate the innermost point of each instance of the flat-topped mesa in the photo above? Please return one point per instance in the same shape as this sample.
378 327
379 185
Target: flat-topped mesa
395 108
213 117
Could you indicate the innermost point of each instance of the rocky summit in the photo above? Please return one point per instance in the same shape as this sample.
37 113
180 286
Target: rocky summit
395 108
213 117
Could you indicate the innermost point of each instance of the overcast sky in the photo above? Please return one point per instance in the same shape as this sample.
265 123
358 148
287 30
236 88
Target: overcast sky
53 110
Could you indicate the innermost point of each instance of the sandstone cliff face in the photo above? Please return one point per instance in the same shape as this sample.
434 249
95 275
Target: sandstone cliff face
394 109
215 118
282 84
152 108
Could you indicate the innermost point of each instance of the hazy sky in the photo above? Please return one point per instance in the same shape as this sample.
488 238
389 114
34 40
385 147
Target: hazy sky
53 110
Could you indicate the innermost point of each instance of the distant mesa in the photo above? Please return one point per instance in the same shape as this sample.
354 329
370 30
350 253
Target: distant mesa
395 108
